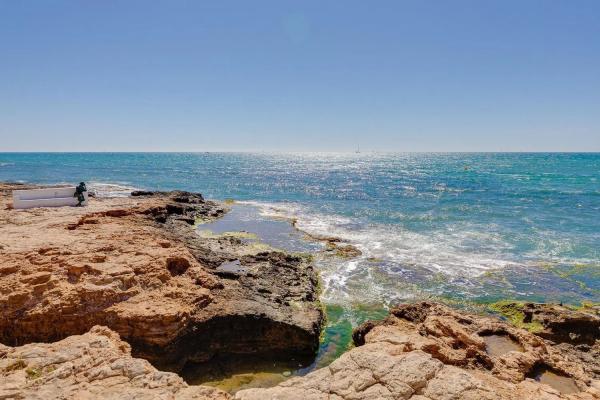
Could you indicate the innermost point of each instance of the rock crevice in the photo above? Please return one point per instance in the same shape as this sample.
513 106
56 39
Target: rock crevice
427 351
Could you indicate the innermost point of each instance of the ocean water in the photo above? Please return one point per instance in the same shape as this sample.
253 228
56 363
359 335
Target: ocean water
468 227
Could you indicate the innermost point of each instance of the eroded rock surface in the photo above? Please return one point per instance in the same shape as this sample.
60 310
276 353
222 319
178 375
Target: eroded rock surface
427 351
96 365
575 332
561 324
137 266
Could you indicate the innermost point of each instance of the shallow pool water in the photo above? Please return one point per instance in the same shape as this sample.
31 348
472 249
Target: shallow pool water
247 222
558 381
498 345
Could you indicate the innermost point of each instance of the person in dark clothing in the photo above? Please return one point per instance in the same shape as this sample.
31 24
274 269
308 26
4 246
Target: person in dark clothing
79 193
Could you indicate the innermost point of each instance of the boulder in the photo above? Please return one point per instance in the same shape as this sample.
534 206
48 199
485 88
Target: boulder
95 365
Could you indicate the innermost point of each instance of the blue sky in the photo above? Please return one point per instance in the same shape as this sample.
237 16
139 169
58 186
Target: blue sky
300 75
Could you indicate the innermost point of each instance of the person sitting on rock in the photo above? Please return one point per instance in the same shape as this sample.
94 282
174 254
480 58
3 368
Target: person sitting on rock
79 193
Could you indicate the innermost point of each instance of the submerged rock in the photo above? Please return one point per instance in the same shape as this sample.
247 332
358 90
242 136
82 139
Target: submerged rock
341 250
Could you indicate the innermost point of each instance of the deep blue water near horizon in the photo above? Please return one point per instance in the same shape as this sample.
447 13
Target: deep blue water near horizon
466 226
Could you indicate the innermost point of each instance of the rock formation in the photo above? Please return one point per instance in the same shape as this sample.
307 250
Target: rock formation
96 365
137 266
574 331
422 351
427 351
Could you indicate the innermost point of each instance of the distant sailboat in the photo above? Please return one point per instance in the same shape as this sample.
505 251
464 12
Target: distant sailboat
358 149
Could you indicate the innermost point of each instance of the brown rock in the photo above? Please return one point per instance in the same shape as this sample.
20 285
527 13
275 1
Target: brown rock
341 250
140 271
576 332
95 365
427 351
563 325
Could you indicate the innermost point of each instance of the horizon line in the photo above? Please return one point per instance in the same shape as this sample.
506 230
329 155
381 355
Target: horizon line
299 152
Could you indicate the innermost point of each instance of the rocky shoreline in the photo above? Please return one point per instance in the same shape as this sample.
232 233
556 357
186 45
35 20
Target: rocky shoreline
421 351
137 266
98 302
428 351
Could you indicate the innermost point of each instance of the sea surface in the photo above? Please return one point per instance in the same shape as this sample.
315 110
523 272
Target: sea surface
467 228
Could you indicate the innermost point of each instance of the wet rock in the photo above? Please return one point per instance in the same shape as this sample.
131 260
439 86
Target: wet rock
341 250
174 209
231 269
177 196
563 325
574 331
137 193
186 197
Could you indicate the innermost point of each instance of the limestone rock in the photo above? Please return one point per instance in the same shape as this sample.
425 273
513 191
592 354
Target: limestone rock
561 324
137 266
576 333
95 365
427 351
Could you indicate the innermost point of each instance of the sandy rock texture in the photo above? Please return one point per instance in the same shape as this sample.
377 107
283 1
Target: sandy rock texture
95 365
575 332
427 351
422 351
136 265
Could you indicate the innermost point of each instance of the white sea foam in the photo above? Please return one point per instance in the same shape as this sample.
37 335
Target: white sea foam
403 257
105 189
438 251
398 263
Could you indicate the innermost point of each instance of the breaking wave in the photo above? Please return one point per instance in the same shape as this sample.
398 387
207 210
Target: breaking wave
104 189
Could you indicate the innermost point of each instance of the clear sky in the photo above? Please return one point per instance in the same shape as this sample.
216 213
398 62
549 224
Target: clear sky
300 75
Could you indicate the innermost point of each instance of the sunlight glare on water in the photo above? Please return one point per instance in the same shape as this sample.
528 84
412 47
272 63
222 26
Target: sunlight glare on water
474 225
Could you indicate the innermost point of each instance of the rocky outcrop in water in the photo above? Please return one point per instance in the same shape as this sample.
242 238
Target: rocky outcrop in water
427 351
137 266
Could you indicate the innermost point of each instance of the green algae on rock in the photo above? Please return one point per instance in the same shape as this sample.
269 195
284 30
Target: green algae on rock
336 336
513 312
427 350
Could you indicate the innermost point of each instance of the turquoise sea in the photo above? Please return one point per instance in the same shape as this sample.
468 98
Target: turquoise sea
467 228
472 226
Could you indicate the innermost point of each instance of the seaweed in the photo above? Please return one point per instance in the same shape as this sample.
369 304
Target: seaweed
513 311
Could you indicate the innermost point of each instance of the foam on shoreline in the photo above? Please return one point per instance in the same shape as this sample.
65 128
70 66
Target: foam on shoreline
398 264
105 189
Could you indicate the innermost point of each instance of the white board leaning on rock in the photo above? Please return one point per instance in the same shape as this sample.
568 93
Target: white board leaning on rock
47 197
